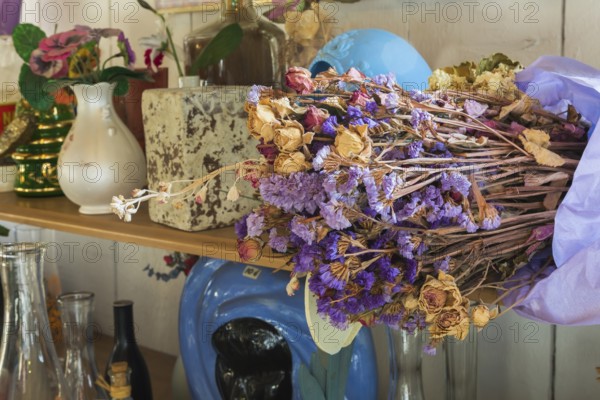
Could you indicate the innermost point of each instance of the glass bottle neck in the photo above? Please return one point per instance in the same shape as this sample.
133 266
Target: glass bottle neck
76 314
237 10
124 328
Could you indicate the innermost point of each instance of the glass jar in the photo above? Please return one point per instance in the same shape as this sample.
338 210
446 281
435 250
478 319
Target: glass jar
406 356
260 58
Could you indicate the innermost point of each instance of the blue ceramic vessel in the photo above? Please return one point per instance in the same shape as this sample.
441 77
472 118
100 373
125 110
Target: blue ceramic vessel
219 291
373 52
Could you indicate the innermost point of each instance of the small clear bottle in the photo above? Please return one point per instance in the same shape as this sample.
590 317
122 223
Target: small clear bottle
78 330
260 58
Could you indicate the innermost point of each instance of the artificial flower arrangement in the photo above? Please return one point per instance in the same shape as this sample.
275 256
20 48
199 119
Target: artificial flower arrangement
69 58
402 208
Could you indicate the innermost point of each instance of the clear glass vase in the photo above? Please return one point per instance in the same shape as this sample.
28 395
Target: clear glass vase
461 367
76 310
406 356
29 366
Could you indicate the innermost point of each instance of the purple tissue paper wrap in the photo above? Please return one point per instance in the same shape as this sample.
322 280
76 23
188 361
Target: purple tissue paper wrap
570 293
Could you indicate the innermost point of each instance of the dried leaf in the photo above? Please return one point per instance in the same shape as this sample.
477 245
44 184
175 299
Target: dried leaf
519 107
535 143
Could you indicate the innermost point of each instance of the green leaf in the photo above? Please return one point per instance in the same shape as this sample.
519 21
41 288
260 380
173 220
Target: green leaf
112 73
26 38
122 86
4 231
147 6
222 45
32 89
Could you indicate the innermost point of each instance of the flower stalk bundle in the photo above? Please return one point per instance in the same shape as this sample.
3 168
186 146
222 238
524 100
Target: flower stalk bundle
402 207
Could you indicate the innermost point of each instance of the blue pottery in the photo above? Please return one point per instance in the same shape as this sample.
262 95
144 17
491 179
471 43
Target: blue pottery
219 291
373 52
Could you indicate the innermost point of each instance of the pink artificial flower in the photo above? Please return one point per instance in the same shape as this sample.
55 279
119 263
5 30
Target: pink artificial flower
153 59
299 80
314 118
58 68
62 45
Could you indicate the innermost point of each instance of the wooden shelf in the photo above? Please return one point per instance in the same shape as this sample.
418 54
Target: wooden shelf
60 214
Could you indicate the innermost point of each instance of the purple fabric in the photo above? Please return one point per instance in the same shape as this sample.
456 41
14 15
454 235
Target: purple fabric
570 295
10 12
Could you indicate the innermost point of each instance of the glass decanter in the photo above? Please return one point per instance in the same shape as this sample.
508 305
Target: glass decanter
76 311
260 58
29 366
406 356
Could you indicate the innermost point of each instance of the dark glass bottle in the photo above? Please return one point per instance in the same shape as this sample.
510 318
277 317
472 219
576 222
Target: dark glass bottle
260 59
126 349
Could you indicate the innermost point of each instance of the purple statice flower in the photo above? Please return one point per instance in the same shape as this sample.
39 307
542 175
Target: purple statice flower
372 191
388 80
353 176
394 154
354 112
330 185
392 316
451 211
333 215
371 107
414 149
371 301
330 125
419 117
365 279
410 206
415 321
329 279
337 316
438 146
391 100
278 243
490 223
254 94
241 229
353 305
298 192
405 244
419 96
442 265
305 231
385 270
304 259
389 184
429 350
410 271
474 108
329 244
371 123
465 221
255 223
455 181
320 157
316 285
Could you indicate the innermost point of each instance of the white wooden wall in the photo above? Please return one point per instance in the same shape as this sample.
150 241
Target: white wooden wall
518 359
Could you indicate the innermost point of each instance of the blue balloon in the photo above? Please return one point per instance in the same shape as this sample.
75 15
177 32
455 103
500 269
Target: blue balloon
373 52
218 291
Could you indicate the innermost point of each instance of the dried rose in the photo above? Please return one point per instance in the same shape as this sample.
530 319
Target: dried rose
258 117
410 302
453 321
354 74
287 163
353 142
481 315
282 106
314 118
360 99
437 294
299 79
249 249
289 137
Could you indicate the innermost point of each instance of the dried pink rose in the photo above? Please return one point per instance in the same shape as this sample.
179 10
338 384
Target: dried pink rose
360 99
249 249
314 118
299 79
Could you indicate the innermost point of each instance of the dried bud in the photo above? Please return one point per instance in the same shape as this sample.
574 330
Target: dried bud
285 163
288 138
481 315
249 249
299 79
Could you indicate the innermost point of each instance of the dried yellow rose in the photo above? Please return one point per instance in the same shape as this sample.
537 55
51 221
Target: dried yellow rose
287 163
289 137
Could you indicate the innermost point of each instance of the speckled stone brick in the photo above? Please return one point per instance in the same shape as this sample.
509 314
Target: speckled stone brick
192 132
